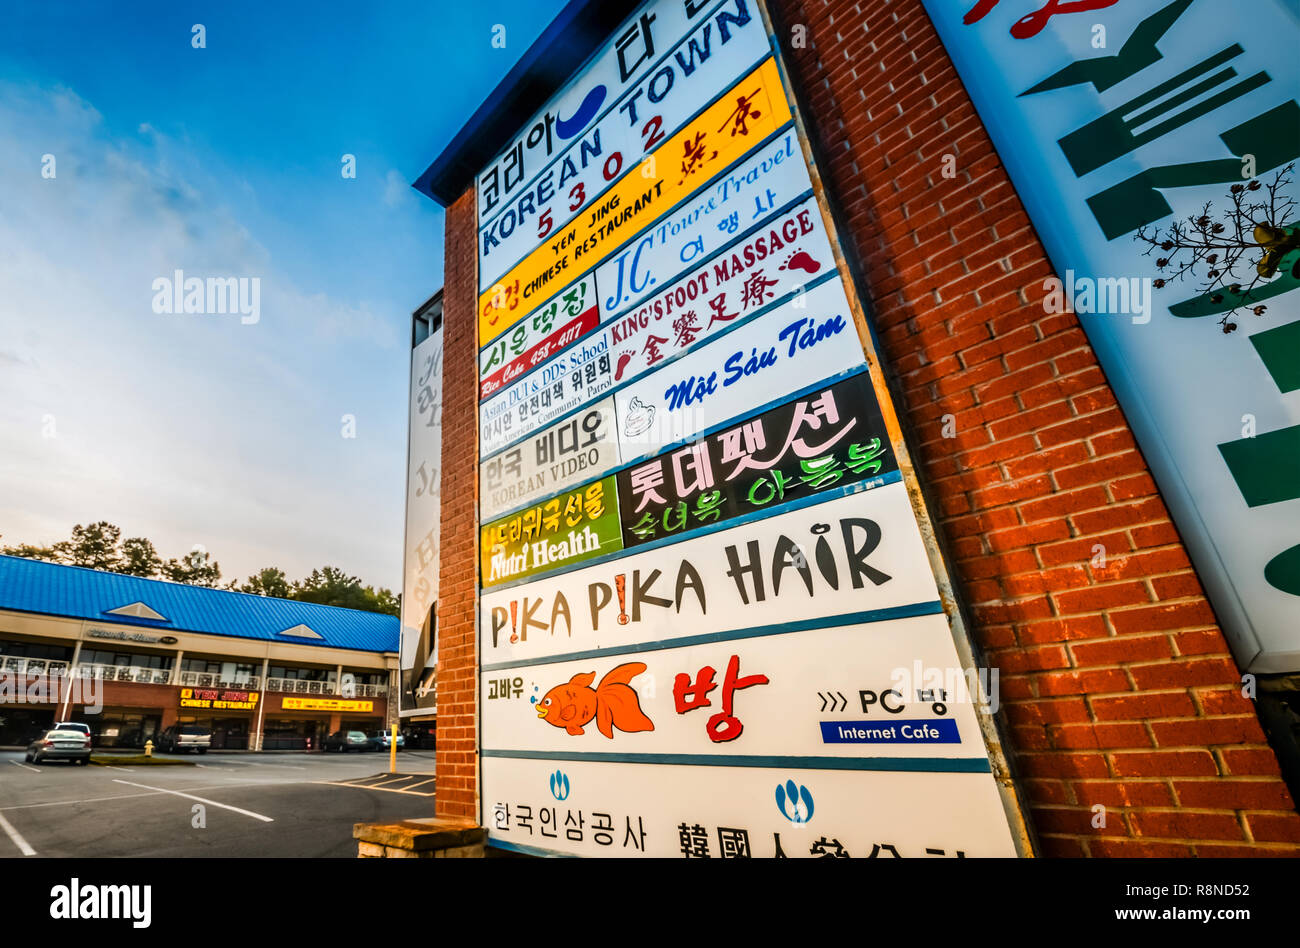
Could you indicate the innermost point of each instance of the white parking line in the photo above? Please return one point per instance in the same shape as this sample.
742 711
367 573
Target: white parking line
24 766
128 796
190 796
129 770
18 840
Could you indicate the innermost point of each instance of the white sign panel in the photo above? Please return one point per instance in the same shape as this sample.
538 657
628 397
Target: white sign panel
777 259
1183 104
788 348
769 179
889 691
676 811
582 447
858 554
573 378
561 322
690 69
423 493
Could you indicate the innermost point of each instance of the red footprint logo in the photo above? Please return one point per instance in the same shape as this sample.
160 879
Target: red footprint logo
623 360
799 260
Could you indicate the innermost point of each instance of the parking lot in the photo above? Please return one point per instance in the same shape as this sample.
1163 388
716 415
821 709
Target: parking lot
223 805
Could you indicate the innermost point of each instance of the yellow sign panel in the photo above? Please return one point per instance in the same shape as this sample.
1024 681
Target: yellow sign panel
750 111
325 704
218 699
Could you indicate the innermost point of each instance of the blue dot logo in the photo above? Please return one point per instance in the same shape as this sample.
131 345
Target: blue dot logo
560 785
794 802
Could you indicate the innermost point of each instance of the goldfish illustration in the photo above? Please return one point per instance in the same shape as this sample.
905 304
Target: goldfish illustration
612 703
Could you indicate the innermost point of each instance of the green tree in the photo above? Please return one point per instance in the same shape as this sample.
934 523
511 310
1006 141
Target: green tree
30 552
93 545
269 581
196 568
330 586
140 558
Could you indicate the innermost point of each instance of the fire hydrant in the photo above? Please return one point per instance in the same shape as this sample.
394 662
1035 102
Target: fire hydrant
148 748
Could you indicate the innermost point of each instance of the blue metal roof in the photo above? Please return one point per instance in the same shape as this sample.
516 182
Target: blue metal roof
52 589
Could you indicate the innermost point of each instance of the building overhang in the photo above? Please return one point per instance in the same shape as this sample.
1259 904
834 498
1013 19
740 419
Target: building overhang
573 36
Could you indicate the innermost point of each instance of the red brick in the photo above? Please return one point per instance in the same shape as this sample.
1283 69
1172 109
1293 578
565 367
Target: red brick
1138 849
1182 674
1181 824
1100 736
1274 827
1123 793
1083 682
1233 794
1247 761
1124 648
1164 764
1097 598
1140 707
1206 731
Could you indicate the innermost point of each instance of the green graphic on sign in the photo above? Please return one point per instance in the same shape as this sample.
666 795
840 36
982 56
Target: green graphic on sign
567 529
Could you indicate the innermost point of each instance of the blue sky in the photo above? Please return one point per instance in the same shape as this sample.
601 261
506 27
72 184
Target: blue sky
225 161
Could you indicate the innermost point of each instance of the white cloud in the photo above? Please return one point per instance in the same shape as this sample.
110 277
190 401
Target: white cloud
396 189
184 428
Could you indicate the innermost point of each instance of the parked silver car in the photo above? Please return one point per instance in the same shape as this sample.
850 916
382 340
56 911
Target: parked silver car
183 738
60 745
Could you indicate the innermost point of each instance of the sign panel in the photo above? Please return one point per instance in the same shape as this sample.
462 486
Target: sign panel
565 530
218 699
423 510
582 446
859 555
828 440
573 378
752 109
788 348
626 58
773 262
562 321
676 810
769 180
1097 165
720 47
326 704
748 696
705 598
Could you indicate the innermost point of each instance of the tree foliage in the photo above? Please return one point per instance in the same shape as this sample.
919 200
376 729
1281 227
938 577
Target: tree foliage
99 546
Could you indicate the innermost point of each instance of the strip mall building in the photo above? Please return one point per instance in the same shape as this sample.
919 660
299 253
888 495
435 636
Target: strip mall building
131 656
681 234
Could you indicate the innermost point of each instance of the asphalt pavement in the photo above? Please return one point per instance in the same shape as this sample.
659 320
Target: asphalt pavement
224 805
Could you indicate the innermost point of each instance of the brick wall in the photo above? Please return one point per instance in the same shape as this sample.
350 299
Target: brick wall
1117 684
457 795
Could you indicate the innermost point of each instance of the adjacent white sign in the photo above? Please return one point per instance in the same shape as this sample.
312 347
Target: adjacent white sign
861 552
770 178
809 338
1220 107
676 810
888 689
423 498
573 378
581 448
721 46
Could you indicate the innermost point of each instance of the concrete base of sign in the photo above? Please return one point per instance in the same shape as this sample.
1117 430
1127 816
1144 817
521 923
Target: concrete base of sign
420 839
